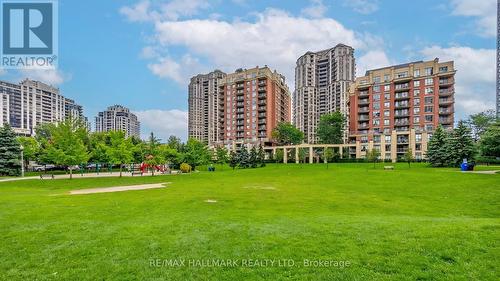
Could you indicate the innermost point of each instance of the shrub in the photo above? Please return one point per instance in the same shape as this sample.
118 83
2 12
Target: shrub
185 168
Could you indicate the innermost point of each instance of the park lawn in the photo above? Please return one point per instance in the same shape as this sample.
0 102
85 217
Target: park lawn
415 223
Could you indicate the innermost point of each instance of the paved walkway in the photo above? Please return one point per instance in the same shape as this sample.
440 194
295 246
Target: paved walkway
79 176
118 188
484 172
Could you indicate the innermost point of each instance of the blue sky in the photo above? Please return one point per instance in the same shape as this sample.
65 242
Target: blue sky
141 53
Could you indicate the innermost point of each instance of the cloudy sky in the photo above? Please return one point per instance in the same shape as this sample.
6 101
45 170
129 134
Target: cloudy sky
141 53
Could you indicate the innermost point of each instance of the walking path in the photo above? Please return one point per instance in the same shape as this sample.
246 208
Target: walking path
484 172
118 188
79 176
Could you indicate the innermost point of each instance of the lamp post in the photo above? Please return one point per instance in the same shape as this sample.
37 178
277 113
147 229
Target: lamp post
22 161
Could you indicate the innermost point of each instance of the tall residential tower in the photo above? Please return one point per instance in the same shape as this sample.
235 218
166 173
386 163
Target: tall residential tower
322 81
118 118
203 123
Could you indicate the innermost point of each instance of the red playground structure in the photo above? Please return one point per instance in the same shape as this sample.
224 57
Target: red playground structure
145 167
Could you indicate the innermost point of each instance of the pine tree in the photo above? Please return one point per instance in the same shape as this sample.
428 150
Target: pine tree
243 158
261 156
10 153
459 146
436 149
233 160
253 158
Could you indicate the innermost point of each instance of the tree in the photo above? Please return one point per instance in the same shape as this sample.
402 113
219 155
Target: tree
10 152
459 146
279 155
408 157
175 143
489 145
331 128
436 149
327 154
372 155
478 123
302 155
286 134
243 158
98 147
196 153
31 147
261 156
170 155
253 157
233 160
120 149
221 154
66 145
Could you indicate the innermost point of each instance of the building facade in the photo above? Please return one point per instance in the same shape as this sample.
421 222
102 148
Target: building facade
31 103
252 102
397 108
118 118
203 103
322 81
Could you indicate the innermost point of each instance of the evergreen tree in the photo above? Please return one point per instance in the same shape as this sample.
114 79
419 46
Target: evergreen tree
253 158
459 146
490 142
10 152
261 156
243 158
233 160
436 149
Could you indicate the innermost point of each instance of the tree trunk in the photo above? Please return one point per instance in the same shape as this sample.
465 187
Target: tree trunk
120 170
70 173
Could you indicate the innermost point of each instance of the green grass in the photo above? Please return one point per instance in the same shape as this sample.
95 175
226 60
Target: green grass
407 224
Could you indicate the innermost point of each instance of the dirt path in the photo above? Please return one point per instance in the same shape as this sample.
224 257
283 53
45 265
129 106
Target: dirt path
118 188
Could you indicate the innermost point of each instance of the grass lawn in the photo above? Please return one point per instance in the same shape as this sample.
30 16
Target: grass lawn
407 224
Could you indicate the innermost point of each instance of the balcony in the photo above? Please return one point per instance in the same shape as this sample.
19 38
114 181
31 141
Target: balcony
262 102
262 96
445 120
401 105
363 102
446 92
401 87
402 140
401 113
262 121
363 93
261 89
445 111
240 86
363 118
262 108
445 82
363 126
446 101
402 96
364 110
402 122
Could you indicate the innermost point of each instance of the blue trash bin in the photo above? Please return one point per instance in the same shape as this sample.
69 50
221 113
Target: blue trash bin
464 167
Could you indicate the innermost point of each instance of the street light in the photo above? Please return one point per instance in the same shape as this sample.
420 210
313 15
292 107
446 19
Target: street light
22 160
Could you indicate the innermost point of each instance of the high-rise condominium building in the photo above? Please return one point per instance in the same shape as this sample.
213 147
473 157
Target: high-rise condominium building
322 81
397 108
203 102
251 104
118 118
31 103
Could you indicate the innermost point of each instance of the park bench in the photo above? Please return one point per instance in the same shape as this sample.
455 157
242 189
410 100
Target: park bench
388 167
42 176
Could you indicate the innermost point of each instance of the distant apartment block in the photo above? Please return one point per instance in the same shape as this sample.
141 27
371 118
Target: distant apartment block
31 103
322 81
251 104
118 118
397 108
203 103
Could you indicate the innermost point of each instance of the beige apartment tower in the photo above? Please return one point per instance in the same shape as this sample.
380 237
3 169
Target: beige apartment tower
118 118
322 81
203 103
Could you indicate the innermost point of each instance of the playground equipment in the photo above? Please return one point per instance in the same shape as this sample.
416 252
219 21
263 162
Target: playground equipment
158 168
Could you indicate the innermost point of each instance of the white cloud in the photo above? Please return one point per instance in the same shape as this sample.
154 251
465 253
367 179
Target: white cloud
484 11
180 71
49 76
317 9
163 123
230 45
475 78
371 60
146 10
362 6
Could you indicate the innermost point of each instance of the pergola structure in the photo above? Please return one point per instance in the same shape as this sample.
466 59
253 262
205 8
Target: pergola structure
311 148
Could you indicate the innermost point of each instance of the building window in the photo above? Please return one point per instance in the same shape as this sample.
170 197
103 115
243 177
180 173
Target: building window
387 88
376 139
376 97
386 122
376 106
376 88
443 69
387 104
376 113
428 109
376 122
429 81
376 79
429 127
387 113
428 118
416 101
416 83
429 91
429 71
416 72
387 139
402 74
416 110
386 78
418 137
428 100
416 92
416 119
